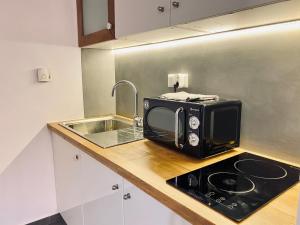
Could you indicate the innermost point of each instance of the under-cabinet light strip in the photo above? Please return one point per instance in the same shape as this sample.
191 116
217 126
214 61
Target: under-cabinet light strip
284 26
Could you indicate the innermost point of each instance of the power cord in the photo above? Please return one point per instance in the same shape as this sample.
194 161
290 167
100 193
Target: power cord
176 85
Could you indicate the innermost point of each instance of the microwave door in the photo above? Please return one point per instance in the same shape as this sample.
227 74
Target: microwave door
166 125
224 126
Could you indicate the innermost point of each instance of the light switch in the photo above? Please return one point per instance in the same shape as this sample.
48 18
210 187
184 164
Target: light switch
43 75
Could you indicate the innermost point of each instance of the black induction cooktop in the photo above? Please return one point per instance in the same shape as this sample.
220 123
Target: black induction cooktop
238 186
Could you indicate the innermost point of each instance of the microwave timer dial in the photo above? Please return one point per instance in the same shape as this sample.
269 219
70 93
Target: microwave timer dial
193 139
194 122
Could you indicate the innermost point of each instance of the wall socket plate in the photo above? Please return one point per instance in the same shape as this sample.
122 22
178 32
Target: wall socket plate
181 78
172 79
43 75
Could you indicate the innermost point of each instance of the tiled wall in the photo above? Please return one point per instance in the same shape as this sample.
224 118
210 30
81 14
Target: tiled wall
261 69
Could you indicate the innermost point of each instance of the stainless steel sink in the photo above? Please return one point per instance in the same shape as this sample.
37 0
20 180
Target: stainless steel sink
92 127
106 131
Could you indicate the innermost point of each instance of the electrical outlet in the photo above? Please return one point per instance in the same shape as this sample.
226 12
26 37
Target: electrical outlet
181 78
172 79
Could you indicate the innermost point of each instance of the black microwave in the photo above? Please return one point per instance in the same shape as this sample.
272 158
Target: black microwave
201 129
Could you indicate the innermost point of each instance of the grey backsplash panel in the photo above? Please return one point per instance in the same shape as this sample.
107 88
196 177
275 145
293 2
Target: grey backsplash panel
98 77
262 70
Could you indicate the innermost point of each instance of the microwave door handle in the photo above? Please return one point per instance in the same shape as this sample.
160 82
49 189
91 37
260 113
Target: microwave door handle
177 126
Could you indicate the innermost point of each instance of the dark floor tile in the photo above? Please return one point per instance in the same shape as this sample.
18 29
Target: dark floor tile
56 219
45 221
59 223
51 220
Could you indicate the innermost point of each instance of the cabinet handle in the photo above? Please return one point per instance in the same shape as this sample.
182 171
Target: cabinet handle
77 157
176 4
115 187
127 196
161 9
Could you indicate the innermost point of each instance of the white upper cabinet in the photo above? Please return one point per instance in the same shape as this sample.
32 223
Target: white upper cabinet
184 11
121 21
136 16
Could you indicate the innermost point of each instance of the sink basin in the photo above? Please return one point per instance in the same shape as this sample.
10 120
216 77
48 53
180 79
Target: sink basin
98 126
106 131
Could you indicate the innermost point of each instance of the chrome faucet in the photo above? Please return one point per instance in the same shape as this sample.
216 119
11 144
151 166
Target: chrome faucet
138 121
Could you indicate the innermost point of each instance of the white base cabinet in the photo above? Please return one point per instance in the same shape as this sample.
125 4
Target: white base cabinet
89 193
105 211
142 209
101 193
67 168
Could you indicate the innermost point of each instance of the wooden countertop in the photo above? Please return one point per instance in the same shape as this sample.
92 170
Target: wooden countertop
148 166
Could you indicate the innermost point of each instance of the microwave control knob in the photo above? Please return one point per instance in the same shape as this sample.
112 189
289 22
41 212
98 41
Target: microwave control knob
194 122
193 139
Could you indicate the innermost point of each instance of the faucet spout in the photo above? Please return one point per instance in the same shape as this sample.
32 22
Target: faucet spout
135 116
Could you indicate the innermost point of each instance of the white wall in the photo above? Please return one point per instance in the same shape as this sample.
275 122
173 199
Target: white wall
34 33
44 21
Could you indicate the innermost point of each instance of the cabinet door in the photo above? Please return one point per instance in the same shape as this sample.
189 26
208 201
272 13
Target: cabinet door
136 16
95 20
107 210
183 11
97 180
102 193
67 167
140 208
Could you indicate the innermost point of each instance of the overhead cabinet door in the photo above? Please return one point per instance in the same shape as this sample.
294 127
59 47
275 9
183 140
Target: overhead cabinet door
183 11
95 15
135 16
95 20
